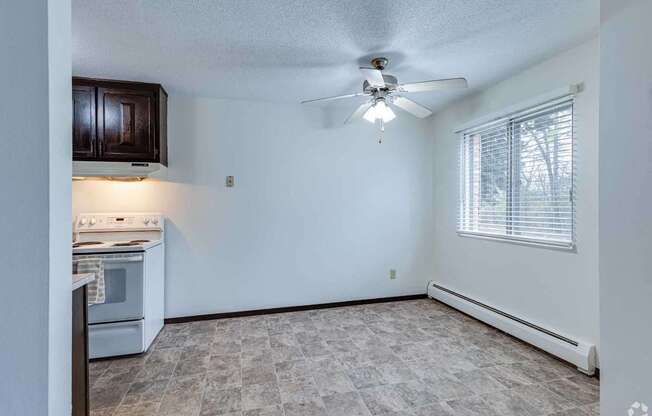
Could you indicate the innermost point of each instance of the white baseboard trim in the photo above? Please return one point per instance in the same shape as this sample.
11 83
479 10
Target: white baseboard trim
579 353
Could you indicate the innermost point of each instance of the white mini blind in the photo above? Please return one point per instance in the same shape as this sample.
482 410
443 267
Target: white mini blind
517 177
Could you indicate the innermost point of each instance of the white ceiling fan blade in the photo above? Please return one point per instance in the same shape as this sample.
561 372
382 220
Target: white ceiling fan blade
373 76
411 107
337 97
358 113
434 85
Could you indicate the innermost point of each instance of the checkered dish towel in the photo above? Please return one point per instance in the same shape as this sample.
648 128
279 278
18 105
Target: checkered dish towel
96 289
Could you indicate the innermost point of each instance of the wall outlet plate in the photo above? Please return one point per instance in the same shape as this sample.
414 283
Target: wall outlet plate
392 274
230 181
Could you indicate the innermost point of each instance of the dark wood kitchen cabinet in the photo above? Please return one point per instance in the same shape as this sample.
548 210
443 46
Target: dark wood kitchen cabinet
84 134
119 121
80 384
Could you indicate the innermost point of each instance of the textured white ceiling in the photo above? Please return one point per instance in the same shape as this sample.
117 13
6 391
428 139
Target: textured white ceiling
297 49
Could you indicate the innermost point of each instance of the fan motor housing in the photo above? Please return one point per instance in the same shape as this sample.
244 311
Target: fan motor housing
390 84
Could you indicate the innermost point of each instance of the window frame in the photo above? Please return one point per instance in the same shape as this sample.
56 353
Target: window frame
509 120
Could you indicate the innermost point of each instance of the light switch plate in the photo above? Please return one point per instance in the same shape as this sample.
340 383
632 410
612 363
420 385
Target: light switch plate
230 181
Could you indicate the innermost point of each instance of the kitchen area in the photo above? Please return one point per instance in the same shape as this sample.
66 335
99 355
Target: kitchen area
119 134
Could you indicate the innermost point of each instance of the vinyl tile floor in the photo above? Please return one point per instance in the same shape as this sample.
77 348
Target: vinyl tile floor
409 358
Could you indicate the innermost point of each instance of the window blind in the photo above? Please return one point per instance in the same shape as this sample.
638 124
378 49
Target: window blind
517 177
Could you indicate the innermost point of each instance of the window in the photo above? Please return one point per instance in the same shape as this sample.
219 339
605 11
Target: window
517 177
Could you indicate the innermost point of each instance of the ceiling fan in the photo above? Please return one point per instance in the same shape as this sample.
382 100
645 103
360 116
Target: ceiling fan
385 91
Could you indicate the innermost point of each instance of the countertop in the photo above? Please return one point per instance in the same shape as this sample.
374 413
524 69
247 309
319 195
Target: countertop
82 279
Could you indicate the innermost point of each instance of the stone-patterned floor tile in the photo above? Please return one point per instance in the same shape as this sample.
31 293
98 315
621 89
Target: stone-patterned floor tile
222 362
345 404
183 396
145 392
226 347
397 373
301 390
97 368
325 363
138 409
308 337
331 382
508 376
472 406
265 411
230 377
217 401
479 381
195 352
258 375
283 340
155 372
260 395
257 358
592 409
576 411
573 392
280 354
255 342
533 371
290 370
107 411
117 376
383 399
508 403
543 398
436 409
341 346
192 366
446 386
412 358
106 396
366 377
304 409
415 393
315 349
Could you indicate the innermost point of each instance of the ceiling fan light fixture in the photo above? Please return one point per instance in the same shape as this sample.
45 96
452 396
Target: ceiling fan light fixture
380 110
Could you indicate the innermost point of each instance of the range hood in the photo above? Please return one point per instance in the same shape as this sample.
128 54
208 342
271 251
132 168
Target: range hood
126 170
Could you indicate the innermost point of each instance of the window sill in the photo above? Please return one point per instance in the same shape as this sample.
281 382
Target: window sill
561 246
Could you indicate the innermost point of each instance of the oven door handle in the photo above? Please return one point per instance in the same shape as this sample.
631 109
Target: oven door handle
122 259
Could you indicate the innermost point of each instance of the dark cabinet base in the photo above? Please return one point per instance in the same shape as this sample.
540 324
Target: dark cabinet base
80 398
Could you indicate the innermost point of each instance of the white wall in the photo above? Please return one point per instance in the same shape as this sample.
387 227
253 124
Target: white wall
35 208
555 289
320 212
625 201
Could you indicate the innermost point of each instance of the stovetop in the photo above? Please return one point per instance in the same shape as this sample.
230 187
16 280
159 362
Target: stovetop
90 247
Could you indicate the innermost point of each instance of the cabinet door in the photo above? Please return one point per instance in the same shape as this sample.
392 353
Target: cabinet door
84 143
127 124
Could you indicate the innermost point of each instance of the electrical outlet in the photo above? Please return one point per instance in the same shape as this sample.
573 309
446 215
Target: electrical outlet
230 181
392 274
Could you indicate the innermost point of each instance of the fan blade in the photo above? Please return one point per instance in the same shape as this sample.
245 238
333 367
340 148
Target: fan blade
337 97
373 76
411 107
358 113
437 84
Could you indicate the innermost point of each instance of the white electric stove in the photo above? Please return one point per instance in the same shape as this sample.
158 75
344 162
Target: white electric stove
130 248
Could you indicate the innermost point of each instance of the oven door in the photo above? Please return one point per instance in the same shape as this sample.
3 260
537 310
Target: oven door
123 288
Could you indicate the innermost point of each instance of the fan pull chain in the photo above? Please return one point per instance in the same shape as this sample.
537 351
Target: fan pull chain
382 130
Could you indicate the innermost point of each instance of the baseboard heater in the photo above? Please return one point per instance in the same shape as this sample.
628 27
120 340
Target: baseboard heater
576 352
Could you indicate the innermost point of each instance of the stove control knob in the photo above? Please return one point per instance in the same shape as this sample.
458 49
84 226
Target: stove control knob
146 220
82 221
154 220
92 221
